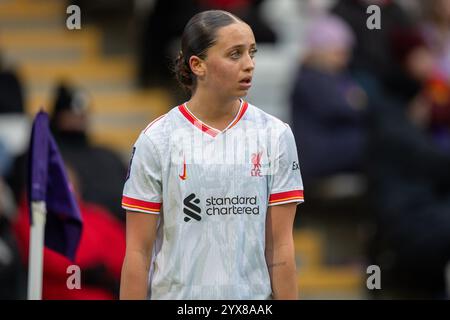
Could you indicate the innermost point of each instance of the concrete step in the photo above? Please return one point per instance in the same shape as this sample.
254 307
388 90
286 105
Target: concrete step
340 282
117 118
120 141
122 136
68 54
39 88
33 23
309 248
107 69
45 43
24 10
156 101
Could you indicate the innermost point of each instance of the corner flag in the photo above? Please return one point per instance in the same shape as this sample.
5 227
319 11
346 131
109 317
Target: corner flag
53 206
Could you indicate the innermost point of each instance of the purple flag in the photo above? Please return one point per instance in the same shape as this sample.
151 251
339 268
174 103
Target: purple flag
48 182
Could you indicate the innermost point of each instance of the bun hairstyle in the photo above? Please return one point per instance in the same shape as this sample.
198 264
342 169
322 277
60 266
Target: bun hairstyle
198 36
183 72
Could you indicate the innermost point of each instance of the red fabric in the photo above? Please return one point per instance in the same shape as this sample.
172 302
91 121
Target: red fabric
140 204
225 4
102 242
438 93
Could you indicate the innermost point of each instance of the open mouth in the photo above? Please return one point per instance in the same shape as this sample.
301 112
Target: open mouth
246 82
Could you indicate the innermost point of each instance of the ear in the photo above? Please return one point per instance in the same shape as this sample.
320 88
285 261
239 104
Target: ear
197 66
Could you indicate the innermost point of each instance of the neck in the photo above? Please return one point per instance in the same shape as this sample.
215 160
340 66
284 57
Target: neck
211 108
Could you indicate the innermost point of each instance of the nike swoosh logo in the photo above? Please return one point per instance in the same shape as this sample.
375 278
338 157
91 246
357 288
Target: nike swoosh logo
184 175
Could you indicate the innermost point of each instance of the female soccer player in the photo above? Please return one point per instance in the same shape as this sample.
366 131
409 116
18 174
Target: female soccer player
213 184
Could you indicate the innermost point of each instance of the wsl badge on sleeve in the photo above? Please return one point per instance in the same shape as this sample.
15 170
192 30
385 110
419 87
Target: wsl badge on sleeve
129 165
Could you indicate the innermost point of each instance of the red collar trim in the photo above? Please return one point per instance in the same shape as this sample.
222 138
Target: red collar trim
204 127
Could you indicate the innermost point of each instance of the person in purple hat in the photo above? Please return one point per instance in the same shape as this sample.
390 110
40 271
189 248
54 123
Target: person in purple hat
328 107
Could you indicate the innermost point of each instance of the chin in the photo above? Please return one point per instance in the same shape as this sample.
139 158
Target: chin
242 93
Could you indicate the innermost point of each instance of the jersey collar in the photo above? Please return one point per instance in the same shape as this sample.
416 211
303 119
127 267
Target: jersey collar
208 129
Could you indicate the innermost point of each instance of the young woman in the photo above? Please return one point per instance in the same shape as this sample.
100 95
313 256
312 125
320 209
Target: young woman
213 184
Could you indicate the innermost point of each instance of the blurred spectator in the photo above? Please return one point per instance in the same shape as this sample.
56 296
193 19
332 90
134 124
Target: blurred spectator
99 256
11 97
164 25
437 92
410 177
101 171
371 53
416 74
414 63
436 30
12 274
5 158
14 128
328 106
11 103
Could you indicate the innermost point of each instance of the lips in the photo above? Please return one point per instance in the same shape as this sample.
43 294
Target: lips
246 82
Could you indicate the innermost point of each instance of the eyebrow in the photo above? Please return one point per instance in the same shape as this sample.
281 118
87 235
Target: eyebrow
239 46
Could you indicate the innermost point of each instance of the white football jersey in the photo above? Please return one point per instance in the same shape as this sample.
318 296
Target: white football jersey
211 190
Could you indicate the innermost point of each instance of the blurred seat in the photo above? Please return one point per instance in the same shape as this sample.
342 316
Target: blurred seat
317 279
34 38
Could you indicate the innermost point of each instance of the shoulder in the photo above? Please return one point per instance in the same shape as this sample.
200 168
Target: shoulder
156 126
264 120
161 127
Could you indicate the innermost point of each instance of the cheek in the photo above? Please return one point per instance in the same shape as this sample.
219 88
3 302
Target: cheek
223 72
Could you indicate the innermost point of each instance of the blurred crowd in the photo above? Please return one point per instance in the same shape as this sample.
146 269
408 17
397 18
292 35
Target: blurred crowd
376 104
368 104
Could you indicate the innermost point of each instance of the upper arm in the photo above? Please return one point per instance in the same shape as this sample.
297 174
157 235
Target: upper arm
141 231
279 225
142 196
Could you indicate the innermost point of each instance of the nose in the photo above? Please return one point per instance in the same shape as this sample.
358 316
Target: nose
249 63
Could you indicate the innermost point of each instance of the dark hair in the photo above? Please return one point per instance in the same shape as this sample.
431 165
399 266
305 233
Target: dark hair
198 36
404 40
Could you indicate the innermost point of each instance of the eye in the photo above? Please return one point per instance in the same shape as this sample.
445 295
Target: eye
253 52
235 54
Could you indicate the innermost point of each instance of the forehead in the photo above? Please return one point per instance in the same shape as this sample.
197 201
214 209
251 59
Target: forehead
238 33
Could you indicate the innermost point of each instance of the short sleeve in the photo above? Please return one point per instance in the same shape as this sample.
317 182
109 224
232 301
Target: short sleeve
286 185
143 189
